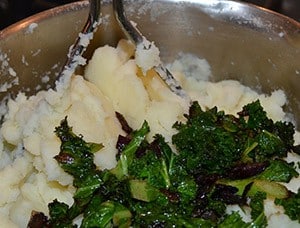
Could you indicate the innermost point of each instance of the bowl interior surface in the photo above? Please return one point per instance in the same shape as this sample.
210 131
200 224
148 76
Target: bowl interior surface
257 47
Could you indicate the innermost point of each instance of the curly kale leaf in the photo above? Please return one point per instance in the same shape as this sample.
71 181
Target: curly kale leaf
128 154
255 117
221 160
280 171
203 142
266 139
106 214
267 180
212 142
257 207
76 157
234 220
269 145
153 164
291 205
99 194
59 215
171 220
155 170
285 131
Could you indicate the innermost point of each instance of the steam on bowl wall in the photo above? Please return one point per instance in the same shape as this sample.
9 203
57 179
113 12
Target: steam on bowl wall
257 47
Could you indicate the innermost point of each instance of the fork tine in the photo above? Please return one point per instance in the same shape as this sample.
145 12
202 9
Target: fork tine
131 32
80 45
137 38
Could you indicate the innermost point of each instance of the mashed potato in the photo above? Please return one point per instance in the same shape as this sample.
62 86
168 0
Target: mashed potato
29 176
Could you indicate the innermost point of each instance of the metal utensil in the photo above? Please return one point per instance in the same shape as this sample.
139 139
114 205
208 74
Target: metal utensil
137 38
77 49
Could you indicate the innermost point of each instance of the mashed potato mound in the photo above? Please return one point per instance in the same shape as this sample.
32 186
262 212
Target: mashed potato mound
29 176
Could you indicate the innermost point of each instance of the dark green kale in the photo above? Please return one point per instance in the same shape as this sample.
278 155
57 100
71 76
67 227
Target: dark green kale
76 158
99 194
255 118
245 152
153 164
291 205
59 216
220 160
128 153
207 141
264 181
280 171
101 213
257 207
213 142
234 220
265 139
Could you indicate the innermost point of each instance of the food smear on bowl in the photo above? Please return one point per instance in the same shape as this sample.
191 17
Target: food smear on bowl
36 151
31 28
6 69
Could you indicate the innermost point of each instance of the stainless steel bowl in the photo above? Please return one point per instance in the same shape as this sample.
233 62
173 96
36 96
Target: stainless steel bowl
258 47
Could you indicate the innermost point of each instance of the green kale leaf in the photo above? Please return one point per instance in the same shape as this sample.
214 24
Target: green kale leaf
220 160
291 205
279 171
204 143
257 206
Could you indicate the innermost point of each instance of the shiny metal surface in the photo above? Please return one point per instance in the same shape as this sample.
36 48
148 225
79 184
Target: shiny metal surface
78 48
255 46
133 34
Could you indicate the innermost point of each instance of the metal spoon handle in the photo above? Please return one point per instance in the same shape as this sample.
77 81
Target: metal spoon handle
80 45
130 31
136 37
